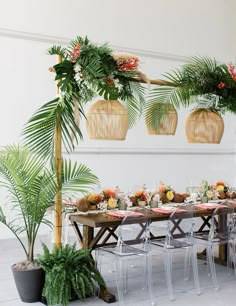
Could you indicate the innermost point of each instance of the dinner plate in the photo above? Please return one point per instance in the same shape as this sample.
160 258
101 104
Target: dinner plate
123 212
216 201
168 207
210 204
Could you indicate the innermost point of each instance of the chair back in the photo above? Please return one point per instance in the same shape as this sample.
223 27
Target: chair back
223 222
180 226
134 230
192 189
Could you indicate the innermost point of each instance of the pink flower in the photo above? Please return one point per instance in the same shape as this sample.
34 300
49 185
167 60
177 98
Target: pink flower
232 71
221 85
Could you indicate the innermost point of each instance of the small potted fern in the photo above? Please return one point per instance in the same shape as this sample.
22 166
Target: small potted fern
69 273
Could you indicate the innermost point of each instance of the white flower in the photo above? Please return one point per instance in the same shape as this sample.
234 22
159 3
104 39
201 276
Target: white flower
77 77
77 68
117 84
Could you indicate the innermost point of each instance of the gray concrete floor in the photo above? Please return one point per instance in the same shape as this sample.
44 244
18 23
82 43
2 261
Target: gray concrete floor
10 252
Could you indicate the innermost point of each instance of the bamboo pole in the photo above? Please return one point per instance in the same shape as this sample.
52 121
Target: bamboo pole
58 160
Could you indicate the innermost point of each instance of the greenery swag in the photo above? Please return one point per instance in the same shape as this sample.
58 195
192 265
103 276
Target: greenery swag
86 71
202 81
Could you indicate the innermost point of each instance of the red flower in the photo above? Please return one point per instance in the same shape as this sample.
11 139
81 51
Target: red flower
128 64
143 197
221 85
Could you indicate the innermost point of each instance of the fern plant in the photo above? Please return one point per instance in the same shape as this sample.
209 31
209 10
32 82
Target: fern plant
31 187
201 81
68 272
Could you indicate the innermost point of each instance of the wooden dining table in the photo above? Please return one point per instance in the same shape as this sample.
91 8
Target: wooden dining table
84 225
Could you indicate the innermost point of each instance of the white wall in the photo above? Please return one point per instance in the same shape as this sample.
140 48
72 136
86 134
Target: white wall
162 33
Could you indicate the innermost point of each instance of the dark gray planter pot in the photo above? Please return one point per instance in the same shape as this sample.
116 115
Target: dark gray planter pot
29 284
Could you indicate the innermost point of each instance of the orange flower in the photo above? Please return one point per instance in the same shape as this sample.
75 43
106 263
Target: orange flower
94 198
162 187
140 195
109 193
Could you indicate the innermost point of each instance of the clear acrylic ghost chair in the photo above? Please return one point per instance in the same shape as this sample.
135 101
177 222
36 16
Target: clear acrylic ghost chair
222 232
135 244
180 235
191 189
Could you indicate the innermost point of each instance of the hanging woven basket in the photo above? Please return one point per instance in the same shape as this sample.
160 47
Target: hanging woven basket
168 123
204 126
107 120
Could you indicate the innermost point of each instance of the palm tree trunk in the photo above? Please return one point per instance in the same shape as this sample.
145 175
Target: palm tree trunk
30 255
58 198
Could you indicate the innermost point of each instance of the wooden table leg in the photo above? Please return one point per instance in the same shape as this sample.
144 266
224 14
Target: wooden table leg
222 224
88 236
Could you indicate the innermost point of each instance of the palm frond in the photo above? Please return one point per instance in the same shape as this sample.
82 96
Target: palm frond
155 113
76 177
31 189
57 50
135 103
39 131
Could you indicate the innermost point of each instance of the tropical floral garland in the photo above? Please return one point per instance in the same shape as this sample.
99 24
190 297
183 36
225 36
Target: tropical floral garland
202 81
88 70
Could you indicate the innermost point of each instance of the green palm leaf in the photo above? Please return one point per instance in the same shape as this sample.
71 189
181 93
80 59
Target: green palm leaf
39 131
32 187
31 191
76 177
135 104
57 50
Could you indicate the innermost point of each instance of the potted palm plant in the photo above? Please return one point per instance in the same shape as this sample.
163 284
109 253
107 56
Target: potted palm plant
31 188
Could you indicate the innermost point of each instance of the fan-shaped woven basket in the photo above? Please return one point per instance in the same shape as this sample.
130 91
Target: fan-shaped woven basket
107 120
168 124
204 126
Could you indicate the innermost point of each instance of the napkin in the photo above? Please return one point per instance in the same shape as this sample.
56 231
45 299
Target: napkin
162 211
122 215
205 206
